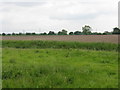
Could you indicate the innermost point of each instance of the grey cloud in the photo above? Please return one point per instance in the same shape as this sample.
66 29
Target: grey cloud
81 16
21 4
76 16
25 4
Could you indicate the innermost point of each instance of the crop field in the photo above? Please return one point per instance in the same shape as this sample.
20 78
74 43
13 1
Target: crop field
78 38
59 64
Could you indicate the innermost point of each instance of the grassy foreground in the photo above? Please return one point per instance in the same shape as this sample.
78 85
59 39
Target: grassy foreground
58 68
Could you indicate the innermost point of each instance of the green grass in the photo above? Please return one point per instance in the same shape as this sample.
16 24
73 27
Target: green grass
33 67
60 45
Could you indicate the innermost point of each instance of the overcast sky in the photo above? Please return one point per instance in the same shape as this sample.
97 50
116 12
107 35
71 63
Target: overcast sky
55 15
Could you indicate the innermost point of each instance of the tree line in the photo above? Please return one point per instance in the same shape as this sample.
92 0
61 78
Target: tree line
86 30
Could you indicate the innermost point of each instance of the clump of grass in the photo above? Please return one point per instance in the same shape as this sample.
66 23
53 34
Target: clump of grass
11 74
105 61
37 51
12 61
70 80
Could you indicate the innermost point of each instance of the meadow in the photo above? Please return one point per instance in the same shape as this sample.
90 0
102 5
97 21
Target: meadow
53 64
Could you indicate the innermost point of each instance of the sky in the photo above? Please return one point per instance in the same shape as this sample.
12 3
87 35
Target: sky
54 15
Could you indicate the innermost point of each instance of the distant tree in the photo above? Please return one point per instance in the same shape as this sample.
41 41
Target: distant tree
116 30
20 33
43 33
33 33
71 33
17 33
104 33
3 34
107 33
77 33
8 34
86 30
99 33
51 33
94 33
63 32
28 33
13 33
60 33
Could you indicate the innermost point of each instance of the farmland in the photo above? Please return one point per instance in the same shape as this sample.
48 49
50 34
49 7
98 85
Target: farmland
54 64
78 38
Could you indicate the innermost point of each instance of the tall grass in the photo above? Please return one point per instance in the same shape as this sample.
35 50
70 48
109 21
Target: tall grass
60 44
59 68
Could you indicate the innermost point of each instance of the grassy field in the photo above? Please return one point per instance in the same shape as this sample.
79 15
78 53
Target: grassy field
66 65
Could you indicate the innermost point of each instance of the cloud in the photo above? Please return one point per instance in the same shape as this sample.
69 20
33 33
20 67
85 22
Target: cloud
46 15
24 4
75 16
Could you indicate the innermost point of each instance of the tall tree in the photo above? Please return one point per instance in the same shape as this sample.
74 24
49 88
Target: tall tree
86 30
63 32
116 30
